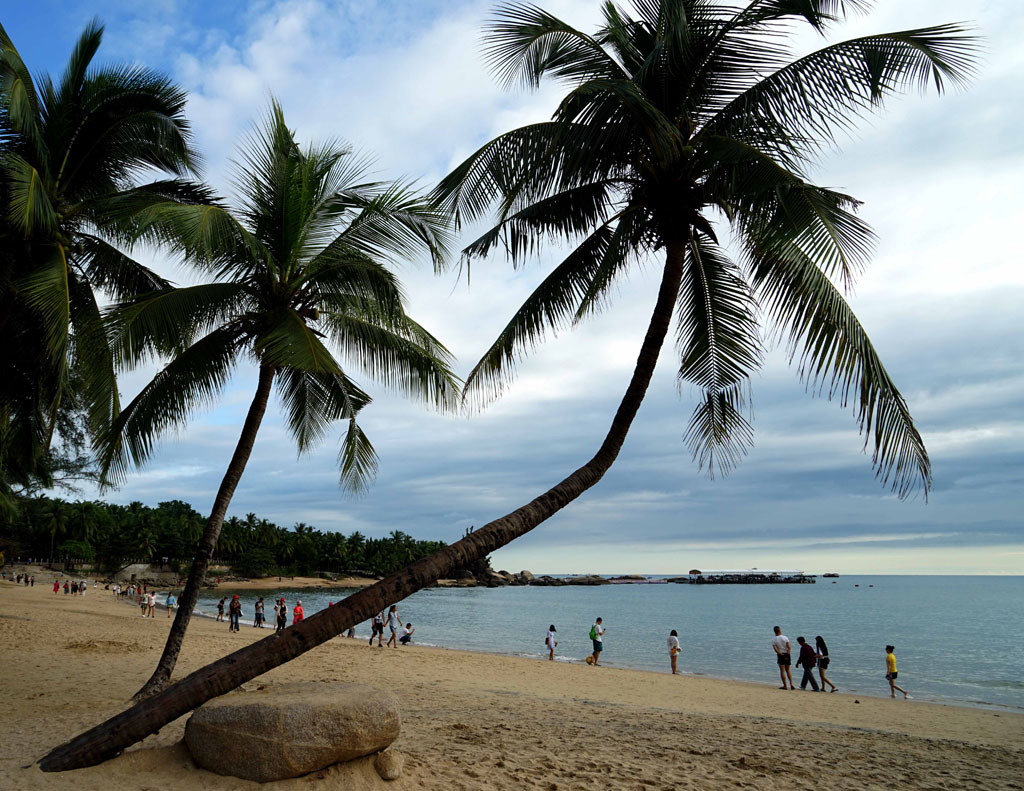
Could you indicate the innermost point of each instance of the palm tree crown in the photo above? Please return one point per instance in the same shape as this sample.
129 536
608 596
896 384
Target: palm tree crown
689 115
299 264
67 148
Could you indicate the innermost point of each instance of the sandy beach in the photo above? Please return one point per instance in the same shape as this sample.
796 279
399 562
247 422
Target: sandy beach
291 583
477 721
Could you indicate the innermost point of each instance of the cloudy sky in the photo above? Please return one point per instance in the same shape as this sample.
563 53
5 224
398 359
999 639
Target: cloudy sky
942 300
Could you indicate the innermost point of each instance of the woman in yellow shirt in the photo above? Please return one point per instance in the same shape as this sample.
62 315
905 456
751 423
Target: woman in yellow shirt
890 666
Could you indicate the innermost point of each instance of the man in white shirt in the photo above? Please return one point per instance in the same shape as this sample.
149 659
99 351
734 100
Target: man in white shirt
405 635
780 644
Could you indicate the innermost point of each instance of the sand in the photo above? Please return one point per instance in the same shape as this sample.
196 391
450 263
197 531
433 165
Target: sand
476 721
289 583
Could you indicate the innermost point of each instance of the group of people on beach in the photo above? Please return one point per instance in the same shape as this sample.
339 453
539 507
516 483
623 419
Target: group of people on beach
818 656
72 587
399 634
28 580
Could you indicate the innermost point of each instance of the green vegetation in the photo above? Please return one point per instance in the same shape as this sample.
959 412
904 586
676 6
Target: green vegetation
112 536
69 150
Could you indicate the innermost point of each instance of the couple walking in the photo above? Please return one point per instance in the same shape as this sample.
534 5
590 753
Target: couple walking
394 623
809 658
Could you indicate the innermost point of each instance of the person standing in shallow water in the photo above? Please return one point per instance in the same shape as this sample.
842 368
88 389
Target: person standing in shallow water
890 672
597 638
673 651
780 644
823 661
551 642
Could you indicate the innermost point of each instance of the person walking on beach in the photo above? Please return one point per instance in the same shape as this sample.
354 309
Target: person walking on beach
808 658
394 623
378 629
257 618
282 615
405 636
56 586
171 601
234 613
597 638
151 605
220 610
780 644
890 672
298 615
674 651
551 642
823 660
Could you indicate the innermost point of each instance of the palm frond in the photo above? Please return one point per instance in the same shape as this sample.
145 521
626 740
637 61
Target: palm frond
720 347
107 268
168 321
835 356
825 91
192 380
551 305
524 43
29 209
403 357
46 291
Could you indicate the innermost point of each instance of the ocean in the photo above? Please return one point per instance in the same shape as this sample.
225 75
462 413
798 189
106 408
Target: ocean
958 640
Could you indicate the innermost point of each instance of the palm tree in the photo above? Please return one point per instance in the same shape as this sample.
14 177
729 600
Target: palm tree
67 148
685 115
300 261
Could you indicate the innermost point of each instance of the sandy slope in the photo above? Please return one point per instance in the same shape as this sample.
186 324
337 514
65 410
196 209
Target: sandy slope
474 721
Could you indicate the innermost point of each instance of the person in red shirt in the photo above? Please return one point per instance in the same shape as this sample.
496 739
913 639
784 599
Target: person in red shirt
297 614
808 658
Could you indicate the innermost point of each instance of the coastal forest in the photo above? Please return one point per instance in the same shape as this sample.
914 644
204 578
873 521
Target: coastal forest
107 536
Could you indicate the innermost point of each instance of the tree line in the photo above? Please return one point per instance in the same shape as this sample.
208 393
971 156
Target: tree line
107 536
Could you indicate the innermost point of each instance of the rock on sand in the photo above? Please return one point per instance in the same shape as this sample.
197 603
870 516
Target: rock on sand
291 729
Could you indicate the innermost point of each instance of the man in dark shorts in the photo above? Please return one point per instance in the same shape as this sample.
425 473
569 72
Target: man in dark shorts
378 629
597 638
780 644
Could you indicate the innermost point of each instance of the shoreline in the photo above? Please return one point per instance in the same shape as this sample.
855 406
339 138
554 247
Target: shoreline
487 721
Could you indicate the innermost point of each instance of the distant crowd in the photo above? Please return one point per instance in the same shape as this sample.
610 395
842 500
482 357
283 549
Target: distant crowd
809 657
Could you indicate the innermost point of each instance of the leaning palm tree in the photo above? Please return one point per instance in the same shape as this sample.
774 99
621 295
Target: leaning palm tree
684 119
67 148
298 266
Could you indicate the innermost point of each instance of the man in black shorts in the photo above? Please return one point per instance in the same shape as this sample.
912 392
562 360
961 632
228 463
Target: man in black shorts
780 644
378 629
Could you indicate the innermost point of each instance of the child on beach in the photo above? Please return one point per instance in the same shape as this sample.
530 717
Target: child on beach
674 651
890 672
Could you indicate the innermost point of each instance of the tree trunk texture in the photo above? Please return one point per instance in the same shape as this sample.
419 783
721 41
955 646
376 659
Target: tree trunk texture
207 544
144 718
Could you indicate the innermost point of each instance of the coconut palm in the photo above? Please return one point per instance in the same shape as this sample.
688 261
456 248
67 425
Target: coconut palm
67 147
299 265
684 119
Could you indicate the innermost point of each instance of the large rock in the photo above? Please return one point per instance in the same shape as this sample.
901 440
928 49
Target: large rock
291 729
526 576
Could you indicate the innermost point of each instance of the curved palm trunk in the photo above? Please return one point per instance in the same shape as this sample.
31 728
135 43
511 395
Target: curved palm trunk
207 544
110 738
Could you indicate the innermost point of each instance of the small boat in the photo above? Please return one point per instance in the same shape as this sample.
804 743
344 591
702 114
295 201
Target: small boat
830 574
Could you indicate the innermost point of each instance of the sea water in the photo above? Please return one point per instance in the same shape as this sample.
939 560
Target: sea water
958 639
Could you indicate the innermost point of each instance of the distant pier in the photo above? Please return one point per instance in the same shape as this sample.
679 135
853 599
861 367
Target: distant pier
746 577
